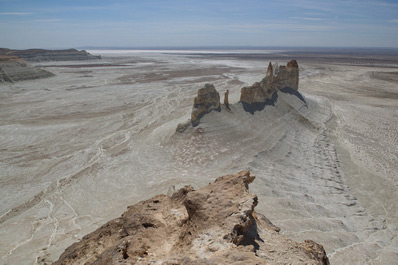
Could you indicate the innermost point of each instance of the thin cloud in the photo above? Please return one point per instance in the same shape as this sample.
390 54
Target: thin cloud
327 7
48 20
15 14
312 18
247 28
291 26
394 21
83 8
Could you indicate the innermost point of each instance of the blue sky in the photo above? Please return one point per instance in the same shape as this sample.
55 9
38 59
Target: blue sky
73 23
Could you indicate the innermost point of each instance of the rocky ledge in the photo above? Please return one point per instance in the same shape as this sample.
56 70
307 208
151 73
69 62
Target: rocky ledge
213 225
39 55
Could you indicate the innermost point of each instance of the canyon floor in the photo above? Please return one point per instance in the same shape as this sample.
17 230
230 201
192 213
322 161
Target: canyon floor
79 147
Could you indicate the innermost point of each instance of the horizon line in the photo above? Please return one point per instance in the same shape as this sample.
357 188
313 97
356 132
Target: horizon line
184 47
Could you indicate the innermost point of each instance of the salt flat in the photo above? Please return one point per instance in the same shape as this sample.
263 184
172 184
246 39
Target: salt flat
76 149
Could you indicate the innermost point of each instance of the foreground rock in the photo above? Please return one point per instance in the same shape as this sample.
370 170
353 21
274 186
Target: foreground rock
13 69
39 55
213 225
256 96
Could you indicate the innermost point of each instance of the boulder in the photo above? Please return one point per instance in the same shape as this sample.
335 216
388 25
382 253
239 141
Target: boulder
183 126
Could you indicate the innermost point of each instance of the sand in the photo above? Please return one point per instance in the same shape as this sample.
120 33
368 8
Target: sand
76 149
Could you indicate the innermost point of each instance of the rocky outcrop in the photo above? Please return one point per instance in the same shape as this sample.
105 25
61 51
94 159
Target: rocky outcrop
207 100
39 55
13 69
260 94
213 225
252 98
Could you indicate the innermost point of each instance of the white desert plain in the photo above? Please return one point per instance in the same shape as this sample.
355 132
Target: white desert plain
78 147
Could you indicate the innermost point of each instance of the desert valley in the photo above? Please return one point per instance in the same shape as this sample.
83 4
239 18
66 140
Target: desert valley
82 140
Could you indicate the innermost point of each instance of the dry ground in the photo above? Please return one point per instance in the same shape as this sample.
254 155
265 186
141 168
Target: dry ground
76 149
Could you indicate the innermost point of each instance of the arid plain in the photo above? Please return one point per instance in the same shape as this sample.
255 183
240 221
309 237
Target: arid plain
79 147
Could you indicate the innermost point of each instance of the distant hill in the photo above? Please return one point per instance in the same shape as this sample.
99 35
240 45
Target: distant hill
39 55
13 69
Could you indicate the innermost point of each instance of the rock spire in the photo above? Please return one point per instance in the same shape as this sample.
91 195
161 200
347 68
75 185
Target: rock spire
208 99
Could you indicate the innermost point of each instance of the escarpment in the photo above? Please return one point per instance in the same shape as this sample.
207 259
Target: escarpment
40 55
216 224
253 98
14 66
13 69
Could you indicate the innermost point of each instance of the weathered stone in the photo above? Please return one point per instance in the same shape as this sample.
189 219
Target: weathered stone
263 93
213 225
208 99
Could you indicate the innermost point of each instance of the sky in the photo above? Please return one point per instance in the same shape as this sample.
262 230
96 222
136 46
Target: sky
157 23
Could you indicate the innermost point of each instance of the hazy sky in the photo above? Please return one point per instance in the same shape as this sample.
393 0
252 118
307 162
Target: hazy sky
74 23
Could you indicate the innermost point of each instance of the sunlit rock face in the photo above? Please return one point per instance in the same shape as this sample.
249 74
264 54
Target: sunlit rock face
260 94
216 224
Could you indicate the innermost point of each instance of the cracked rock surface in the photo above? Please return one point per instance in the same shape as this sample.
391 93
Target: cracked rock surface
213 225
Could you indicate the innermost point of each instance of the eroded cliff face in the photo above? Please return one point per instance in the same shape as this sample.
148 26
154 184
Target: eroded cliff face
13 69
260 94
213 225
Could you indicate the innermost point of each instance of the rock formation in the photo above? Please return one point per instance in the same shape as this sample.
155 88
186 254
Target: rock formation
213 225
226 101
39 55
262 93
207 100
13 69
253 98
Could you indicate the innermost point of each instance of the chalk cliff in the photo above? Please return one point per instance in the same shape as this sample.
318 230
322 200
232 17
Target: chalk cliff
213 225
